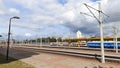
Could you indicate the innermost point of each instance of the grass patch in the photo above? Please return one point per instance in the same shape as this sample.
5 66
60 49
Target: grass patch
12 63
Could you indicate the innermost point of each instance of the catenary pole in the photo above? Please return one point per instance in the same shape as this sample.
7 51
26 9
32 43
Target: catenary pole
101 35
100 27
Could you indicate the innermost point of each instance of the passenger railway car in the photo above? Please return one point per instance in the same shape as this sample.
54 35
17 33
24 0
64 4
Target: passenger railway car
106 44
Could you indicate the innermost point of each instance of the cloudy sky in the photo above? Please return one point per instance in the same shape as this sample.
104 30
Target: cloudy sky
56 17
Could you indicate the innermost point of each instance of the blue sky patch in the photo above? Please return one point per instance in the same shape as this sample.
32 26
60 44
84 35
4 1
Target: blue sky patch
95 0
9 4
63 2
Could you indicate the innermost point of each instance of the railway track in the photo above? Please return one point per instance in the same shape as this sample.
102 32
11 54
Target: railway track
96 56
78 48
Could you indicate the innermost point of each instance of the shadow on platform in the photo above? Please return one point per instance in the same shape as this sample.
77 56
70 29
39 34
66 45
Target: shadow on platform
15 54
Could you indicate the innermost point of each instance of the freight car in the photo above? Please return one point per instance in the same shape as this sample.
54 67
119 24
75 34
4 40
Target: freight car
106 44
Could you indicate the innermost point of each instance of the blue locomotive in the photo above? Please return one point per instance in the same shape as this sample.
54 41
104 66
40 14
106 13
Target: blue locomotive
106 44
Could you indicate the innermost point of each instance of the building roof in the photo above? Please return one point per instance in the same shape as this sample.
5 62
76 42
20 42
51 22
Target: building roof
93 39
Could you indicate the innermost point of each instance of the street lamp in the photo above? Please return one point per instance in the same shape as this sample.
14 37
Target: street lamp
15 17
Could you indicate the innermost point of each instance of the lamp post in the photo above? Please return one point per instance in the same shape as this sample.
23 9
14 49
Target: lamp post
8 43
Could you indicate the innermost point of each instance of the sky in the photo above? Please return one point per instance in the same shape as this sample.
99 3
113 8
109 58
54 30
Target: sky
56 18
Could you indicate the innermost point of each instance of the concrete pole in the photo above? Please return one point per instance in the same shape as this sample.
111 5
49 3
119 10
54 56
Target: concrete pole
48 41
116 40
57 41
101 35
36 40
41 41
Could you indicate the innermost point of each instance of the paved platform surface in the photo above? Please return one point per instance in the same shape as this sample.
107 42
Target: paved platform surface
48 60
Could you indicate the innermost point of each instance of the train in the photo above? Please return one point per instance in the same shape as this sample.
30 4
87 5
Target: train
106 44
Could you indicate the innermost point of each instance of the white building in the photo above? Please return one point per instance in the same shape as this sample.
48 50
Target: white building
79 34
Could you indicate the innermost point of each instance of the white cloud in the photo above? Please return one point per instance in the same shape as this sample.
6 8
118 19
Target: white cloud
48 13
2 12
14 11
69 15
2 8
28 34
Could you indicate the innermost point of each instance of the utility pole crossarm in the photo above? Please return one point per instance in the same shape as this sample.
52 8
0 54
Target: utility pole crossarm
96 9
92 13
90 7
104 14
86 14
